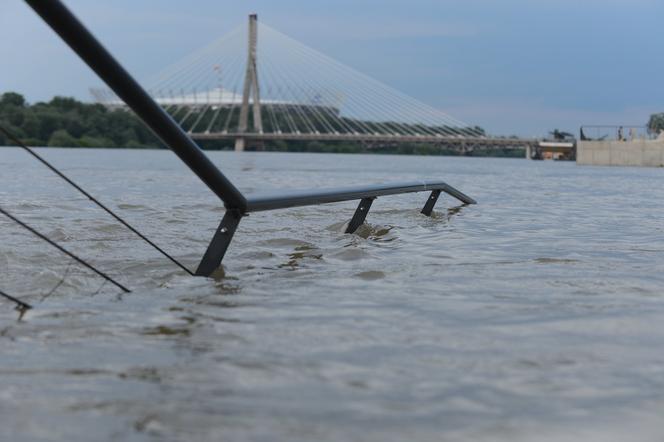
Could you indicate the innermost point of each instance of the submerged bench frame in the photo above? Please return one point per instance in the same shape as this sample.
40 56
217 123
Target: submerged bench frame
72 31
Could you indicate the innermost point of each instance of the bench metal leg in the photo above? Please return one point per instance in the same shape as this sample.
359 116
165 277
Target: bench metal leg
220 241
360 215
431 202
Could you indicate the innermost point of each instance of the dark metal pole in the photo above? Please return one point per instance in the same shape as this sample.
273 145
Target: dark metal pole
360 215
72 31
431 202
220 241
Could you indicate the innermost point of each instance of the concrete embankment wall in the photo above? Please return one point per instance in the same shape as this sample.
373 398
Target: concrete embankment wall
648 153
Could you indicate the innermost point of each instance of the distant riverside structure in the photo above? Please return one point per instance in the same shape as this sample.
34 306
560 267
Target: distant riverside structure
620 146
248 93
560 146
552 150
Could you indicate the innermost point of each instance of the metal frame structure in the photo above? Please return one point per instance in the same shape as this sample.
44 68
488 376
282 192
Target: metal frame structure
237 205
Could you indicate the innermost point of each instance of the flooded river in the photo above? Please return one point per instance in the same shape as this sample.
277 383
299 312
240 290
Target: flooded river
537 314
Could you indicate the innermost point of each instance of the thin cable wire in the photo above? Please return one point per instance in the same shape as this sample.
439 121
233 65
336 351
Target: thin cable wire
351 73
19 304
360 99
201 114
63 250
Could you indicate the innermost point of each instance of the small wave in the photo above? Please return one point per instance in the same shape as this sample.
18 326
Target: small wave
371 275
31 206
366 230
297 244
351 254
556 261
126 206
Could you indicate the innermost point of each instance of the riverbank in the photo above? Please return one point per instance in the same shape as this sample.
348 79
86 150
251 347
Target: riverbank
67 122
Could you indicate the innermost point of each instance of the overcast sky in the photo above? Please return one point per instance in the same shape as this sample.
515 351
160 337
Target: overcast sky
511 66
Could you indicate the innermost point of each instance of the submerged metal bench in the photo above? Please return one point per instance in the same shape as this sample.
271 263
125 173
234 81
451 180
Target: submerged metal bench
67 26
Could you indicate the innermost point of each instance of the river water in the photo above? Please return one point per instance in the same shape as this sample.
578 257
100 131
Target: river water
537 314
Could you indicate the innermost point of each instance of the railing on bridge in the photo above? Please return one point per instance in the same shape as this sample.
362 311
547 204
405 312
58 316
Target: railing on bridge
614 133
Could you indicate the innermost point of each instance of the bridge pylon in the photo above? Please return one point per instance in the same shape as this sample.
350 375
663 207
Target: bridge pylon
250 89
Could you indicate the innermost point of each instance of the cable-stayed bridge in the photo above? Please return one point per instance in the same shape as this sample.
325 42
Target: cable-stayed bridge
250 92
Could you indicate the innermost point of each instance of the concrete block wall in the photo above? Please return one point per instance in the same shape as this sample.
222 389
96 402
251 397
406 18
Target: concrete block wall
646 153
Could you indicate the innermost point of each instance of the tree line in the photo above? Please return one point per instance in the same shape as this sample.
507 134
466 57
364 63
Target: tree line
66 122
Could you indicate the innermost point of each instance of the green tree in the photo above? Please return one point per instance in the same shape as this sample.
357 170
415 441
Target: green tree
62 138
12 99
656 123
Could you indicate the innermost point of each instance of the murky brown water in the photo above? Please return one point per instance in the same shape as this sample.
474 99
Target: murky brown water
536 315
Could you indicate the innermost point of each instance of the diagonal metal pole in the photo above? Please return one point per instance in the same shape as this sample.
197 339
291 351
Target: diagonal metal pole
72 31
220 241
431 202
360 215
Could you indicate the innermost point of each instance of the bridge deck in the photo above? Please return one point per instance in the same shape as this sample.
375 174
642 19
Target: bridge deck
458 140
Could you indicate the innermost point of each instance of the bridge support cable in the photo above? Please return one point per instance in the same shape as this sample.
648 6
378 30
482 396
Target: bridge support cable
203 61
350 104
360 101
211 78
284 92
189 112
363 83
215 115
309 81
293 98
373 86
300 96
287 115
269 113
274 119
201 114
355 104
230 112
308 91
